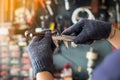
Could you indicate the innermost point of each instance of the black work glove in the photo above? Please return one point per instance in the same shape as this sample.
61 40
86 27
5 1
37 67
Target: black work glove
88 30
41 51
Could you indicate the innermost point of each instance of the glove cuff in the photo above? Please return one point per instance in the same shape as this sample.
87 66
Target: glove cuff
40 66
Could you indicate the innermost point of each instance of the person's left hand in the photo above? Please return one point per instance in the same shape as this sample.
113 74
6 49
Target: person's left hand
41 51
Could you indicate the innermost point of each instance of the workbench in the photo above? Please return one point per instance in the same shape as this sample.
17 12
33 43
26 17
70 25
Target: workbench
77 56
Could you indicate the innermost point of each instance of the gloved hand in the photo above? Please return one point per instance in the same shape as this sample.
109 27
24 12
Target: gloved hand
41 51
109 68
88 30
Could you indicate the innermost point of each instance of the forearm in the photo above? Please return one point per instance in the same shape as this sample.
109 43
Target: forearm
115 38
45 75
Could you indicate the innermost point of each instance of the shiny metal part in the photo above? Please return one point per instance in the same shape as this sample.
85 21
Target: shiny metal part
64 38
54 37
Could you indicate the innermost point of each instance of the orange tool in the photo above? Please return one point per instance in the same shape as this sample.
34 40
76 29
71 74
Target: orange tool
42 3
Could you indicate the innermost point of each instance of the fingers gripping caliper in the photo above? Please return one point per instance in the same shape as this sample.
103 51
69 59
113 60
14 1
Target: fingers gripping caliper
64 38
54 37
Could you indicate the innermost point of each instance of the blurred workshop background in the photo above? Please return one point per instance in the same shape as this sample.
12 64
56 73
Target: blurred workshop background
19 16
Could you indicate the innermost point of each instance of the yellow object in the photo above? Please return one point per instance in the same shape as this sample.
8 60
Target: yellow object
22 44
52 26
79 69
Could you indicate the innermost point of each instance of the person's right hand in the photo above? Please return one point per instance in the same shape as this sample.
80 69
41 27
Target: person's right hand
88 30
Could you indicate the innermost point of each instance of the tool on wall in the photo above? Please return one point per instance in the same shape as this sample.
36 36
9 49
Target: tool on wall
67 21
42 3
48 5
79 12
112 14
67 5
103 6
56 2
59 23
95 7
42 22
118 13
102 15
